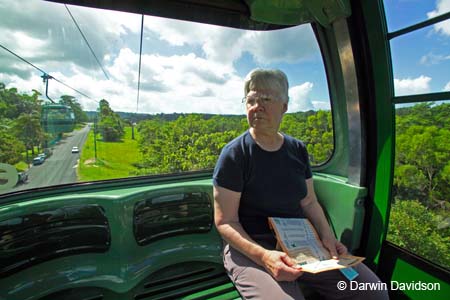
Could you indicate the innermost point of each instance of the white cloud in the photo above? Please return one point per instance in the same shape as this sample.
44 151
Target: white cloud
23 86
447 87
209 38
433 59
52 39
29 44
290 45
179 33
410 86
226 45
168 84
192 84
299 98
442 6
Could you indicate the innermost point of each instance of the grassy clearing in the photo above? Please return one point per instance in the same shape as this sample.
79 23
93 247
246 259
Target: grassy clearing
114 159
21 166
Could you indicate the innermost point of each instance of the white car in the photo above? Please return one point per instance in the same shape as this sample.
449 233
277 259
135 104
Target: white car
75 150
38 160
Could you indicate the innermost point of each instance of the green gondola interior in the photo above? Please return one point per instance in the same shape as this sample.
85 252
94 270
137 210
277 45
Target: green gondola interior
152 236
57 118
153 241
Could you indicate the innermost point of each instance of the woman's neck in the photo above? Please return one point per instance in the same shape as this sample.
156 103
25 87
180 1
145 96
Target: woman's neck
267 140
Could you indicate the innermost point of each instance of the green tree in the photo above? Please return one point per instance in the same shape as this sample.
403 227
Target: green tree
21 128
294 125
11 148
110 124
205 150
110 129
190 142
414 227
319 136
104 108
12 104
420 219
28 129
194 141
422 154
80 115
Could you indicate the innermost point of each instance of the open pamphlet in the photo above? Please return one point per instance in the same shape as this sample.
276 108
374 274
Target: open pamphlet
298 238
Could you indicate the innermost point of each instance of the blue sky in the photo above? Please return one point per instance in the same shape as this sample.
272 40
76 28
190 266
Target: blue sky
421 59
188 67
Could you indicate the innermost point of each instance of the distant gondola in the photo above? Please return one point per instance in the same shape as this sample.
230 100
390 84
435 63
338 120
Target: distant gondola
57 118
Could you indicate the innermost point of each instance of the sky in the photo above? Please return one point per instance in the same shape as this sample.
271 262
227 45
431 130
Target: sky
189 67
421 59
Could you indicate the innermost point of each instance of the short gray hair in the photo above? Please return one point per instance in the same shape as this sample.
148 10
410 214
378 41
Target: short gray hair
274 80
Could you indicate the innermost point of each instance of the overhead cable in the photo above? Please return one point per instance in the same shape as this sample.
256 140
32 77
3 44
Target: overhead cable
45 73
86 41
139 72
23 59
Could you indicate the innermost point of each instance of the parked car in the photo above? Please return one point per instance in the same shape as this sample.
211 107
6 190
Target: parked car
42 155
38 160
75 149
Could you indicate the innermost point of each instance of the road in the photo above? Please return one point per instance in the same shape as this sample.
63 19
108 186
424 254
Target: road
60 167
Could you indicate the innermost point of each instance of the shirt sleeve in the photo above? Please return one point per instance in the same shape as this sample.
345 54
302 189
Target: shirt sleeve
228 172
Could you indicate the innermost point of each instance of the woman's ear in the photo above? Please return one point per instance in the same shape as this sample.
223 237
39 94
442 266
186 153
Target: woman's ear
285 107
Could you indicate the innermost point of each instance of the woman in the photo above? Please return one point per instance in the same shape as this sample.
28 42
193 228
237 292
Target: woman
266 173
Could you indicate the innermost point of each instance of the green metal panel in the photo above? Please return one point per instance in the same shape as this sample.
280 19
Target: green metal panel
373 14
125 267
411 277
344 206
293 12
126 264
405 279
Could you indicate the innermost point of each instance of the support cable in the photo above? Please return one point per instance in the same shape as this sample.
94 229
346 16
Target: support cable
45 73
23 59
86 41
139 72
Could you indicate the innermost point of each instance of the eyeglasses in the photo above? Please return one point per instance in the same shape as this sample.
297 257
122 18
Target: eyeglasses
251 101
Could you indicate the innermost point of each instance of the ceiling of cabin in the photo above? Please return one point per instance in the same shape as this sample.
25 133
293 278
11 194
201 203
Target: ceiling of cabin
244 14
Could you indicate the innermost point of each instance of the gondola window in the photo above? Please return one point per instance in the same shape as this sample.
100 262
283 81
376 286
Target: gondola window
419 218
171 114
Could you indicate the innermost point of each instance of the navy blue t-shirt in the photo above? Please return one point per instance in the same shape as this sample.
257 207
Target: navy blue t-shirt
272 183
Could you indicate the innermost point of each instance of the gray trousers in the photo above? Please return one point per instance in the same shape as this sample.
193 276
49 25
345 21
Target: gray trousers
253 282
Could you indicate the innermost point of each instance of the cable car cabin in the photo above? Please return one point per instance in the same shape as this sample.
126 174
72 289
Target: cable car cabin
57 118
131 215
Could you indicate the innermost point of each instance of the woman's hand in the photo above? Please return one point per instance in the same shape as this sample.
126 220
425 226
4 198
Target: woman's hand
335 247
281 266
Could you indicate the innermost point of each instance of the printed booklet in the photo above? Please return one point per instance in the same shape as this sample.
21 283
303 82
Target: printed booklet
298 238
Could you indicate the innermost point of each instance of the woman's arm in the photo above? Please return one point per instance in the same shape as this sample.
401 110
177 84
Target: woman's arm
226 205
226 218
314 212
